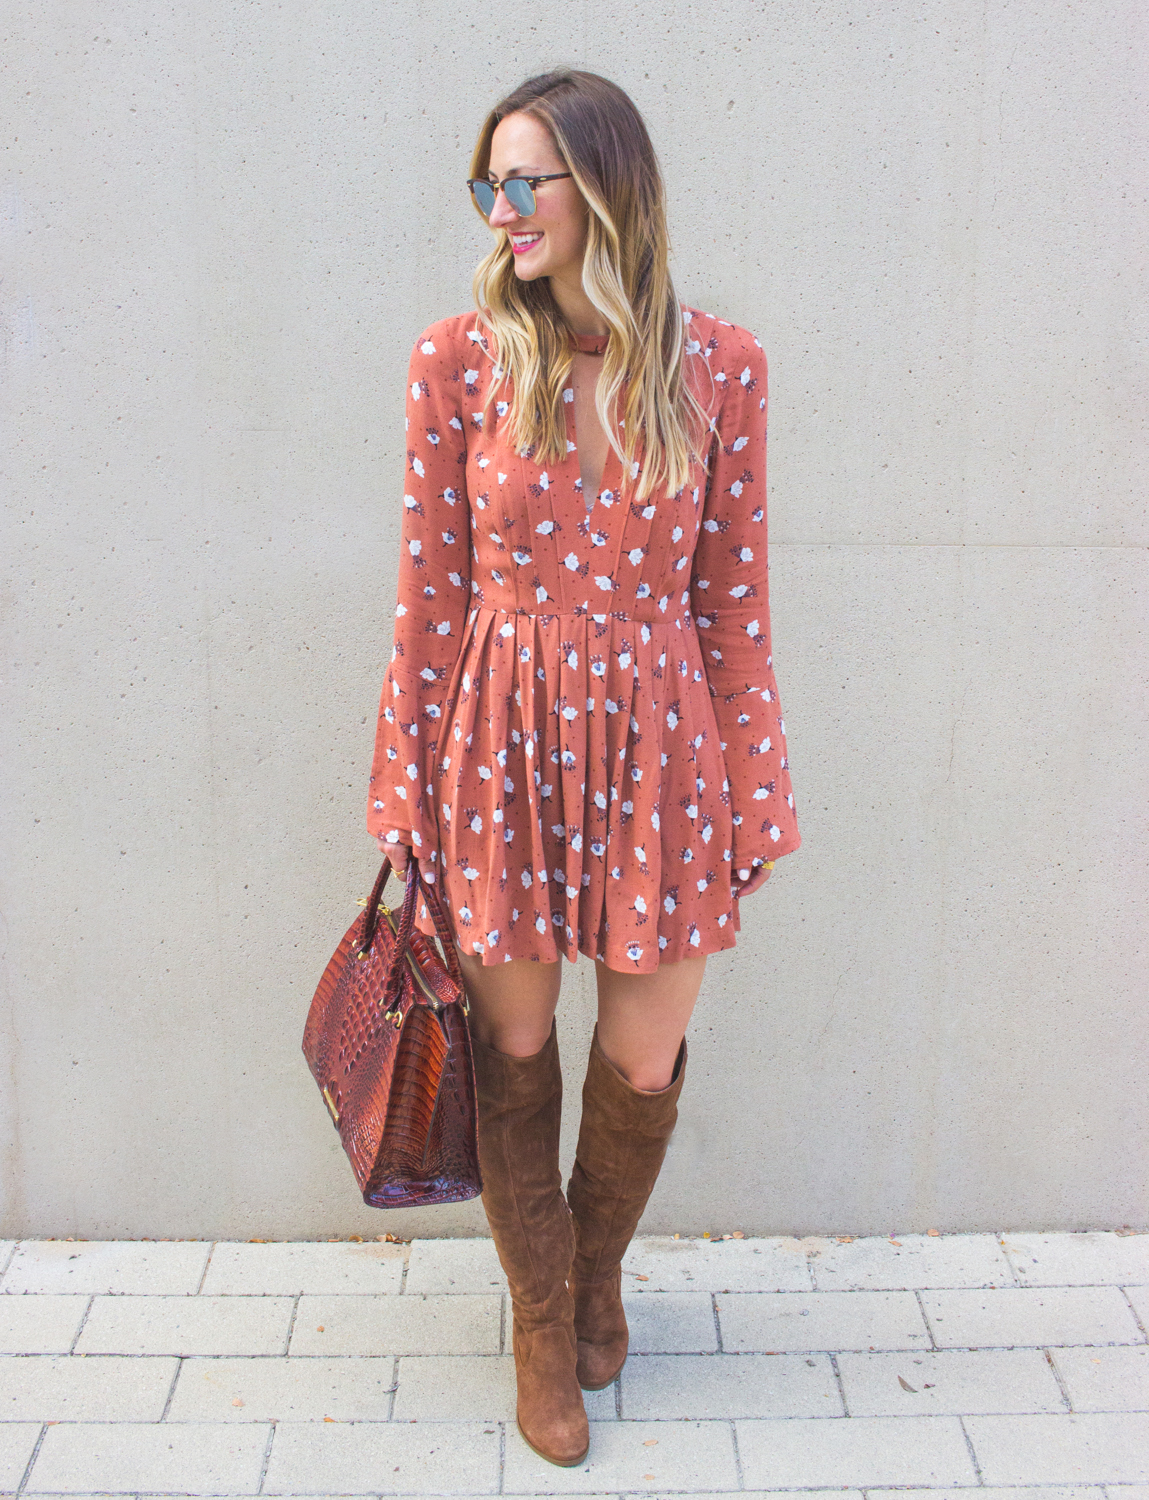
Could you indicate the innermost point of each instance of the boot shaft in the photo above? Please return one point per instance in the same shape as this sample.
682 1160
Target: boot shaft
621 1147
520 1108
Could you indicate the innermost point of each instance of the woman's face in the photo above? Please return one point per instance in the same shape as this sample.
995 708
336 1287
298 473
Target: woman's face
551 242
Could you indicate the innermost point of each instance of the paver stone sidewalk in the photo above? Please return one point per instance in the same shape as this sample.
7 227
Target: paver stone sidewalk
1015 1365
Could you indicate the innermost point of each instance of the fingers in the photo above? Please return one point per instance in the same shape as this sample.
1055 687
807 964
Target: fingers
397 854
400 855
757 876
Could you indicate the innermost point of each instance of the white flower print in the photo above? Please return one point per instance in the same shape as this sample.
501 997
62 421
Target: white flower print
506 640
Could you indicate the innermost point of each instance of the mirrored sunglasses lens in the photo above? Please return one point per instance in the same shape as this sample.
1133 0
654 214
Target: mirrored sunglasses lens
519 196
484 196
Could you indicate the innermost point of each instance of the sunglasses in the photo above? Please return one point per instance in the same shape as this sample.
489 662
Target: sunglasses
519 191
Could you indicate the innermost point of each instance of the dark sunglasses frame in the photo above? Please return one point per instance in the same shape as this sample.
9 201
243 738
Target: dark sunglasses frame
476 184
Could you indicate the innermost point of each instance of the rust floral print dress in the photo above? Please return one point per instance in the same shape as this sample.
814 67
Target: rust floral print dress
579 727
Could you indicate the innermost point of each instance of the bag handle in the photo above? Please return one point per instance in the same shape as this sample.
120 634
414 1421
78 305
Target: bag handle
372 917
415 883
450 952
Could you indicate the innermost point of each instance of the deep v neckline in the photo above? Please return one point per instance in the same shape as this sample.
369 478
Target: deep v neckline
593 343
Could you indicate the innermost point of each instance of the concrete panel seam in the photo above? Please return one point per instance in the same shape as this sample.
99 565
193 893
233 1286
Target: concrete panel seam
171 1388
503 1323
291 1323
717 1324
1057 1376
925 1319
271 1430
1136 1317
393 1392
83 1320
206 1266
811 1272
1000 1237
31 1464
841 1382
737 1455
970 1449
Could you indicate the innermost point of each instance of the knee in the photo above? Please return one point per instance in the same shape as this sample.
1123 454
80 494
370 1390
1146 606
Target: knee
512 1004
649 1072
513 1039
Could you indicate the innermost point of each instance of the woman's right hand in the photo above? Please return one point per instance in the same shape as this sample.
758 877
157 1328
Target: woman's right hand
747 881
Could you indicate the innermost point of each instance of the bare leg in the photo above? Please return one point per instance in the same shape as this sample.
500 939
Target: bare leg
512 1004
642 1018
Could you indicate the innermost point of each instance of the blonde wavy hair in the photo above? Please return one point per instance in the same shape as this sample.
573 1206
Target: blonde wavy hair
604 144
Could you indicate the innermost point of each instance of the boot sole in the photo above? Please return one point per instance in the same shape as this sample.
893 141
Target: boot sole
561 1463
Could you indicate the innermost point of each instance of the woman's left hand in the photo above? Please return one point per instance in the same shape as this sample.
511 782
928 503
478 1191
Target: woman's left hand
757 876
399 854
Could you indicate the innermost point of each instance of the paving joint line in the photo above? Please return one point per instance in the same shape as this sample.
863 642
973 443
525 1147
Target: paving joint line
206 1265
1125 1293
1017 1281
291 1323
11 1256
841 1382
502 1458
83 1323
27 1474
970 1450
1057 1376
172 1387
266 1458
394 1388
737 1454
717 1322
503 1322
812 1274
934 1346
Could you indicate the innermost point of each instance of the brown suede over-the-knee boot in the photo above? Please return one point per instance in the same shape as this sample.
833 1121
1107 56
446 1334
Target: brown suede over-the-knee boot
621 1145
520 1102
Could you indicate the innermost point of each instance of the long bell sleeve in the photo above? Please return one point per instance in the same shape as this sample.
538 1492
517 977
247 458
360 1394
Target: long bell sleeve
731 608
434 593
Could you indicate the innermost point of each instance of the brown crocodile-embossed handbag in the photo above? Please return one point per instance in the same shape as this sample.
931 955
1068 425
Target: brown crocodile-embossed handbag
388 1043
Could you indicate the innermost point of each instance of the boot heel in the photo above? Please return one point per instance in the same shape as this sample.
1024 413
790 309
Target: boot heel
599 1313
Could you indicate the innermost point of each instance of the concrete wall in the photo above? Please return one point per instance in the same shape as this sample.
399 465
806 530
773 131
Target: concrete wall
224 225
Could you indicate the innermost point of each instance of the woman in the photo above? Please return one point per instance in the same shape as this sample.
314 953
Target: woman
579 734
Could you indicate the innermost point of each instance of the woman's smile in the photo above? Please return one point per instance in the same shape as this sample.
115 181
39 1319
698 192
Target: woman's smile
522 242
